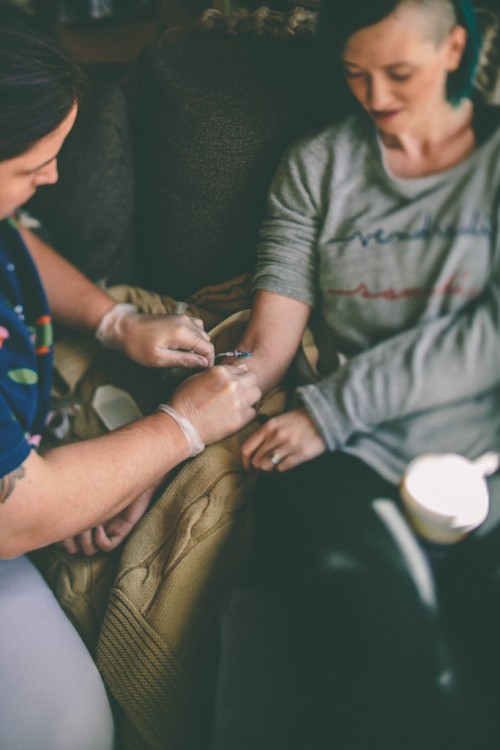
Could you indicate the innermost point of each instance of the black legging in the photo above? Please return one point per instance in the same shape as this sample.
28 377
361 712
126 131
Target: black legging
354 613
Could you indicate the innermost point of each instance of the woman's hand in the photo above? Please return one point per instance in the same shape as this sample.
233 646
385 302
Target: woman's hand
157 340
218 402
112 532
283 442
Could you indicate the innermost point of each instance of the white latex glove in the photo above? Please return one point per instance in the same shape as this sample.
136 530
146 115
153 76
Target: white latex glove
156 340
218 402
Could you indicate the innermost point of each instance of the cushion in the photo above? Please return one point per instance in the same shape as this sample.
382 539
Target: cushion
214 117
488 73
89 212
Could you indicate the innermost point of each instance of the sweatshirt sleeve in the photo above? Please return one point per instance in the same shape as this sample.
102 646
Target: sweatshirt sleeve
449 359
287 254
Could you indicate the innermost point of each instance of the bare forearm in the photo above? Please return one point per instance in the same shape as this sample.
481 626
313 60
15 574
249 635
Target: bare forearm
268 368
116 467
74 300
78 486
273 336
150 340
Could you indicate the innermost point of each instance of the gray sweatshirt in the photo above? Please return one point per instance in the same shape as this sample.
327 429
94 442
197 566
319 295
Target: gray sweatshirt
405 277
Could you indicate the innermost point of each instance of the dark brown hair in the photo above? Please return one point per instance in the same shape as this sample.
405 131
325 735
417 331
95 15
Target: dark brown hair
39 81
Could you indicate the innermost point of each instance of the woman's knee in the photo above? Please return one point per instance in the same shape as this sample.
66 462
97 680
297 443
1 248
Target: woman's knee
52 694
80 720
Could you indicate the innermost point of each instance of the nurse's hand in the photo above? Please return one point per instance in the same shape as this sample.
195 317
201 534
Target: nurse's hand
157 340
218 402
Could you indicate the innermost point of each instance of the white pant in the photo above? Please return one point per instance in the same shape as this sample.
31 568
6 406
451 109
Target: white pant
51 694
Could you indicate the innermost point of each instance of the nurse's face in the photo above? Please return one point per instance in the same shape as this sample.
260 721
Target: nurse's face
22 175
398 71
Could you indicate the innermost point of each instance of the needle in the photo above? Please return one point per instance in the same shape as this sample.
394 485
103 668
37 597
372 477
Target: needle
236 354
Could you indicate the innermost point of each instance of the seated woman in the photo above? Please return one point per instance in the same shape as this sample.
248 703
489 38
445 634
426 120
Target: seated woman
90 493
382 233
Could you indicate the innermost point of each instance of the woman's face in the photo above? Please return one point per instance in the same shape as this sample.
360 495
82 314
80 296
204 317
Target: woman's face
397 70
21 176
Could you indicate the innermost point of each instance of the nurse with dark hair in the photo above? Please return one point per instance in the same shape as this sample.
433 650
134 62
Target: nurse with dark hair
381 235
88 495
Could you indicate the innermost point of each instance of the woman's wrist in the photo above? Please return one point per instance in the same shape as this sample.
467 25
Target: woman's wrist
110 329
194 441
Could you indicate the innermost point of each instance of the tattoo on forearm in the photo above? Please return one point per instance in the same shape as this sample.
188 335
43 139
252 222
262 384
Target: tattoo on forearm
8 482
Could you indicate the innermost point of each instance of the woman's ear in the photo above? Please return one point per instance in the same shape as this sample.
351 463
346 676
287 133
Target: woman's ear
455 46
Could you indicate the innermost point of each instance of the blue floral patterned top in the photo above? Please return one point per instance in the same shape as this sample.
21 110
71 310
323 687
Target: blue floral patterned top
26 351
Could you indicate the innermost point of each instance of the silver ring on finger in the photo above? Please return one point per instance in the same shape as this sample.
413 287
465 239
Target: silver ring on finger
275 458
